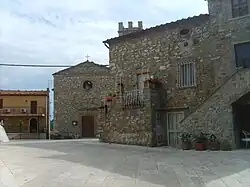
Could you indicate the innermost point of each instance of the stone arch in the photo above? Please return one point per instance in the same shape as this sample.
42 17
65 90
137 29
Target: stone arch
33 125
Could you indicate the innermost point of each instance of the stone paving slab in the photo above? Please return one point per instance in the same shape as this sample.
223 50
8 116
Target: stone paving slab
6 177
92 164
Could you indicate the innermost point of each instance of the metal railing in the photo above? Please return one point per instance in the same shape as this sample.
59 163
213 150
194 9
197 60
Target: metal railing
132 99
22 110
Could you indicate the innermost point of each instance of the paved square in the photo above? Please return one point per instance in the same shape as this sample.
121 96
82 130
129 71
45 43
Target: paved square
92 164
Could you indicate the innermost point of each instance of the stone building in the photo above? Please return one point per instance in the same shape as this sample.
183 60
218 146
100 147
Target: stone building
181 76
77 97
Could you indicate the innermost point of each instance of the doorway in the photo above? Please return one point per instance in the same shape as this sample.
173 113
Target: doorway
241 119
88 126
173 130
33 125
33 107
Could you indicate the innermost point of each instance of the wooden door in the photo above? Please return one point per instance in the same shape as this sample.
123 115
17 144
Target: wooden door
88 127
33 107
173 131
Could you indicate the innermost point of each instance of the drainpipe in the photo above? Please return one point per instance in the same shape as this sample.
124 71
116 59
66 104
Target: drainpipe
47 115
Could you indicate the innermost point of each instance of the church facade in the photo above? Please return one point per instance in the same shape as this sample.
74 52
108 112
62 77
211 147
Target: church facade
77 97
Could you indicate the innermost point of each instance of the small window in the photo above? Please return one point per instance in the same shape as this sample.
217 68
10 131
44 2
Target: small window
1 103
187 75
87 85
141 79
239 8
184 32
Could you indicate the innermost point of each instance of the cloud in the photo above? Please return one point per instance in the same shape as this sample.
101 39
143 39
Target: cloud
64 32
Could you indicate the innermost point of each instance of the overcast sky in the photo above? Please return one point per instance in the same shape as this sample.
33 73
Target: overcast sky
65 31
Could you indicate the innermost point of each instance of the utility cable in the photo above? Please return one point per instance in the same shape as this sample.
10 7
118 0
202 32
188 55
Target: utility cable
36 65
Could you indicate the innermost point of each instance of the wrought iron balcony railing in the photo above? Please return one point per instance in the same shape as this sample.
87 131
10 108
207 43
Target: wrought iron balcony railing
22 110
133 99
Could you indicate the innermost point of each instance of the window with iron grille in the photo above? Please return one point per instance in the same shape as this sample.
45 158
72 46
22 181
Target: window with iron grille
187 75
239 8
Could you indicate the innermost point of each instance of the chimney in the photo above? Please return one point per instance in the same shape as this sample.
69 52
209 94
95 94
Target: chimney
120 26
130 24
140 25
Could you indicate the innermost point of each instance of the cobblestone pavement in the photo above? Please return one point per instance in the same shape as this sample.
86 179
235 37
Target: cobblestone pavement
93 164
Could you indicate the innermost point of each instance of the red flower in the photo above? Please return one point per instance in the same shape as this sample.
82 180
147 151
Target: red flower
108 98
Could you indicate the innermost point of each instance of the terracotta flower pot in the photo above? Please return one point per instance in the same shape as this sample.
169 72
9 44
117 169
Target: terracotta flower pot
186 145
200 146
214 146
108 98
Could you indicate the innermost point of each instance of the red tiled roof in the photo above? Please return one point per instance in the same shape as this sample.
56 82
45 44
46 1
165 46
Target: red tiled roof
24 92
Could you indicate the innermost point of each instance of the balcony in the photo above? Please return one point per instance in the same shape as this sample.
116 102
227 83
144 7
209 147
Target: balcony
133 99
22 111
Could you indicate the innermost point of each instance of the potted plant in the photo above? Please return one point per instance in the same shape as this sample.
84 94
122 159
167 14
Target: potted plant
226 146
153 79
213 143
186 141
200 142
109 97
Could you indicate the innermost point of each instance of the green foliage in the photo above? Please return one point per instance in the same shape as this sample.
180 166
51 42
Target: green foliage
186 137
213 138
201 138
226 146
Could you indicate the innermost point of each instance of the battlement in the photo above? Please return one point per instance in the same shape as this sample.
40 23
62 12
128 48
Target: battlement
123 31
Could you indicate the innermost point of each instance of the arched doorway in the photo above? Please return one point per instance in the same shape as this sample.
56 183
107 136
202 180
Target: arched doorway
33 125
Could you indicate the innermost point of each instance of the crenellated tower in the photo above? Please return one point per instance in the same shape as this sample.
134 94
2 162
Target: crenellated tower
123 31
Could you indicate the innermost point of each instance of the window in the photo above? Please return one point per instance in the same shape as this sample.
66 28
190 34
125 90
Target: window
141 79
184 32
87 85
1 103
187 75
239 8
242 55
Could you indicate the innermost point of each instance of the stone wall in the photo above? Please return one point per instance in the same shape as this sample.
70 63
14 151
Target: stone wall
71 100
128 126
215 115
161 51
227 31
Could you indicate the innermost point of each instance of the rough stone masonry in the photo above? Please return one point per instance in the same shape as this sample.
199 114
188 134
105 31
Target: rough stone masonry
206 41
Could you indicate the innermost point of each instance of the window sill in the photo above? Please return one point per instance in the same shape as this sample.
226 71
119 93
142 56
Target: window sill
186 87
237 18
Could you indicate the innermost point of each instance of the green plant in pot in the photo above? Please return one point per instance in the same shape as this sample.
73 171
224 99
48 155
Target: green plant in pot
213 143
186 141
226 145
200 142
